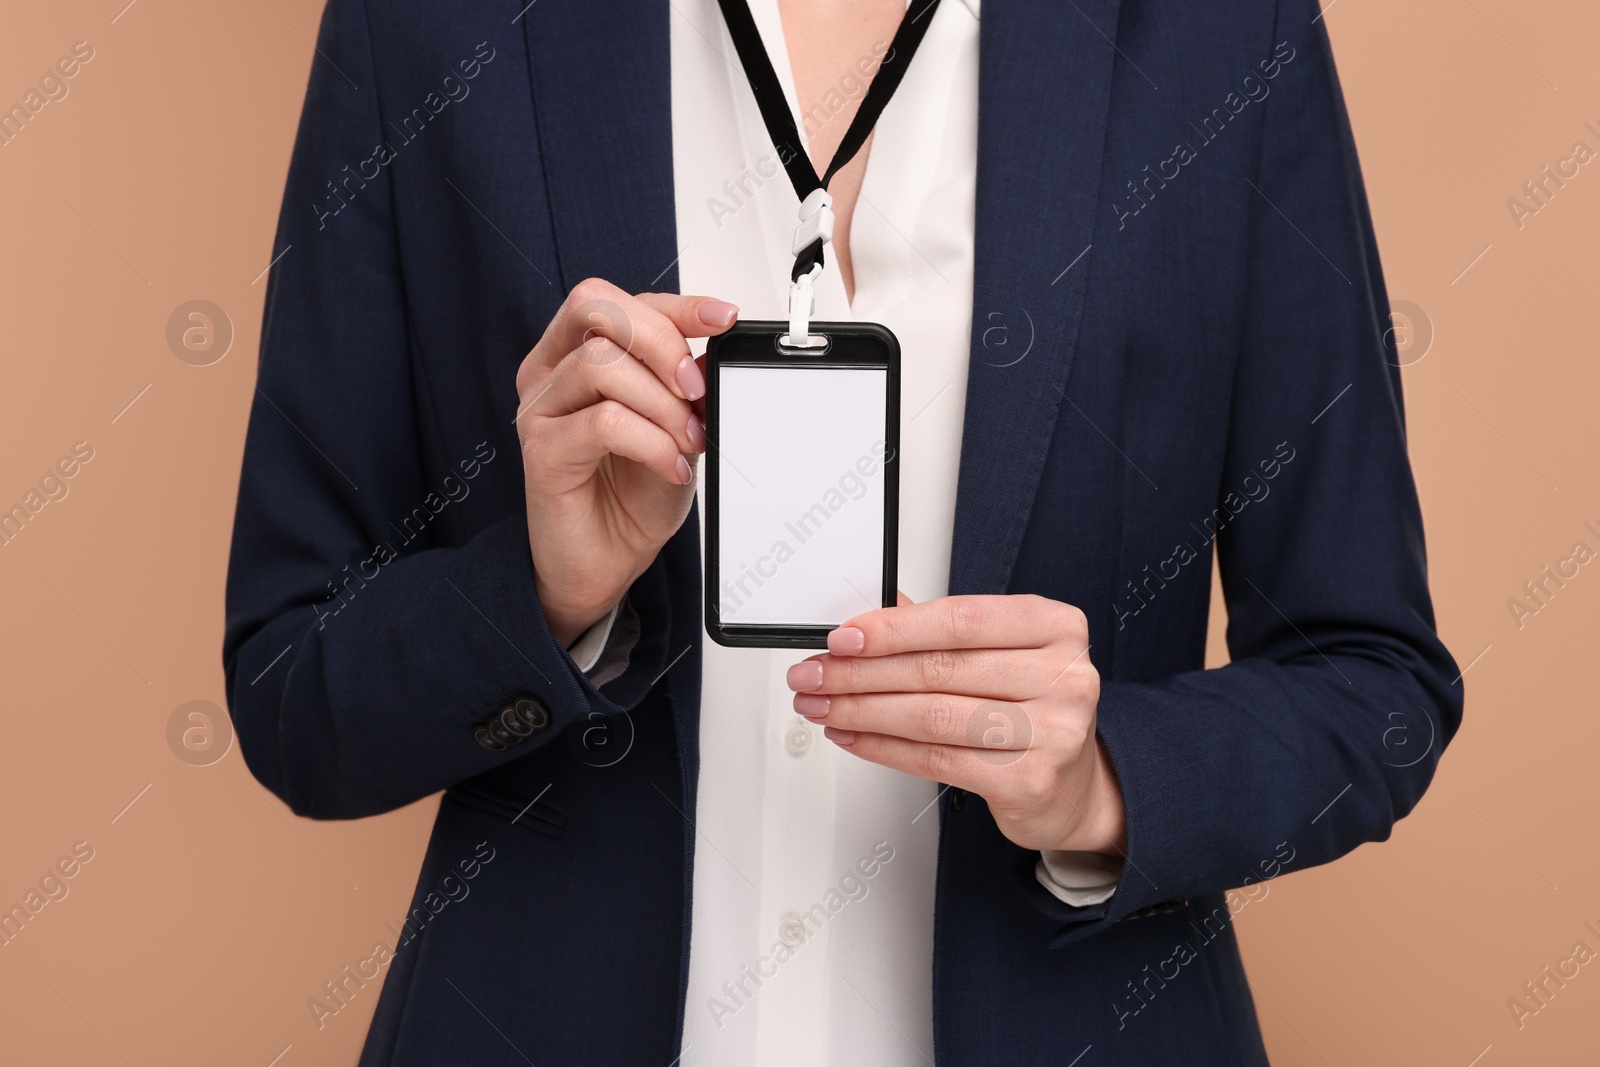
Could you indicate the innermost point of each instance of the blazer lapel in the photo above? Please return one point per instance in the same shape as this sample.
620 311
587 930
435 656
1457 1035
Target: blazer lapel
1044 87
602 97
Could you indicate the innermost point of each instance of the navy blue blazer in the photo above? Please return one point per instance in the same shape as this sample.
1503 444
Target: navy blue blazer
1191 353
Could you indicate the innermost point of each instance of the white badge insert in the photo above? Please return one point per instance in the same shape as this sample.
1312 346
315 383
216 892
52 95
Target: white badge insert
802 453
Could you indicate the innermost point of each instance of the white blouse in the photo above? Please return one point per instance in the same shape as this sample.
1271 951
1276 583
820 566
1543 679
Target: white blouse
812 936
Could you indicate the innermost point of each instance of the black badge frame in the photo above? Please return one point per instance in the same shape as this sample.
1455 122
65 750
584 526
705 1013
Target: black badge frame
851 345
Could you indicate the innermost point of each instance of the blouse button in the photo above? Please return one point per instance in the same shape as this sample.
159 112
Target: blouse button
797 739
792 930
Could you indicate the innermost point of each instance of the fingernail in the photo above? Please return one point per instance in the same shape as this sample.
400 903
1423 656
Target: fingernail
685 476
690 380
839 737
846 641
717 313
804 676
695 433
810 705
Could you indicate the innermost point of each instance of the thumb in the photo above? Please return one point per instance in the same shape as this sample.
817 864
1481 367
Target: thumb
901 600
694 316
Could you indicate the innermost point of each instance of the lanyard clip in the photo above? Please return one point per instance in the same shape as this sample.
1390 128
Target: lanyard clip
802 300
816 224
816 221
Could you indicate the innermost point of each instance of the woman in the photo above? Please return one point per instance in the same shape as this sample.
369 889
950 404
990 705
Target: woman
1126 252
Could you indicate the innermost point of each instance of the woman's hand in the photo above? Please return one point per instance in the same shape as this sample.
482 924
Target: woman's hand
609 440
991 694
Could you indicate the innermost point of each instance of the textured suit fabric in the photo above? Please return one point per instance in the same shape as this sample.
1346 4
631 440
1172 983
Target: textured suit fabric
1206 364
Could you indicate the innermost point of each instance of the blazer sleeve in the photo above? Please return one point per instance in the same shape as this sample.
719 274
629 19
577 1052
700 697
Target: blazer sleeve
1327 726
359 703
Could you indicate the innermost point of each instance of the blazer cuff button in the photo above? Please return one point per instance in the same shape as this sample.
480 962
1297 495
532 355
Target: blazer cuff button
517 721
530 714
486 740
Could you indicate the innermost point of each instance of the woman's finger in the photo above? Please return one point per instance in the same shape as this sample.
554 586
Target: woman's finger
651 329
574 444
1003 674
694 316
933 718
955 622
580 381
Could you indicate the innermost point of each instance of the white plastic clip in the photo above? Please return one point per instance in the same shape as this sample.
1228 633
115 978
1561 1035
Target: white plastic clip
802 300
816 220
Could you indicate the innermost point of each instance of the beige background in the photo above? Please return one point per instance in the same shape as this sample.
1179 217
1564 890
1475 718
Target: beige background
207 916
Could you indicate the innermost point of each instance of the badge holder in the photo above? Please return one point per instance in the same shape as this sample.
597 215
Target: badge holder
803 419
802 504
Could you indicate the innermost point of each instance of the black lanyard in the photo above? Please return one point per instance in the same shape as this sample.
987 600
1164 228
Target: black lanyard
780 121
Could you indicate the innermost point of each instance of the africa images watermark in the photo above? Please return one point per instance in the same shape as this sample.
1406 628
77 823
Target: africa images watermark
1553 577
199 733
1540 990
1143 992
338 992
413 526
852 887
1139 594
53 488
1255 90
737 192
52 89
853 484
411 126
52 889
1539 192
